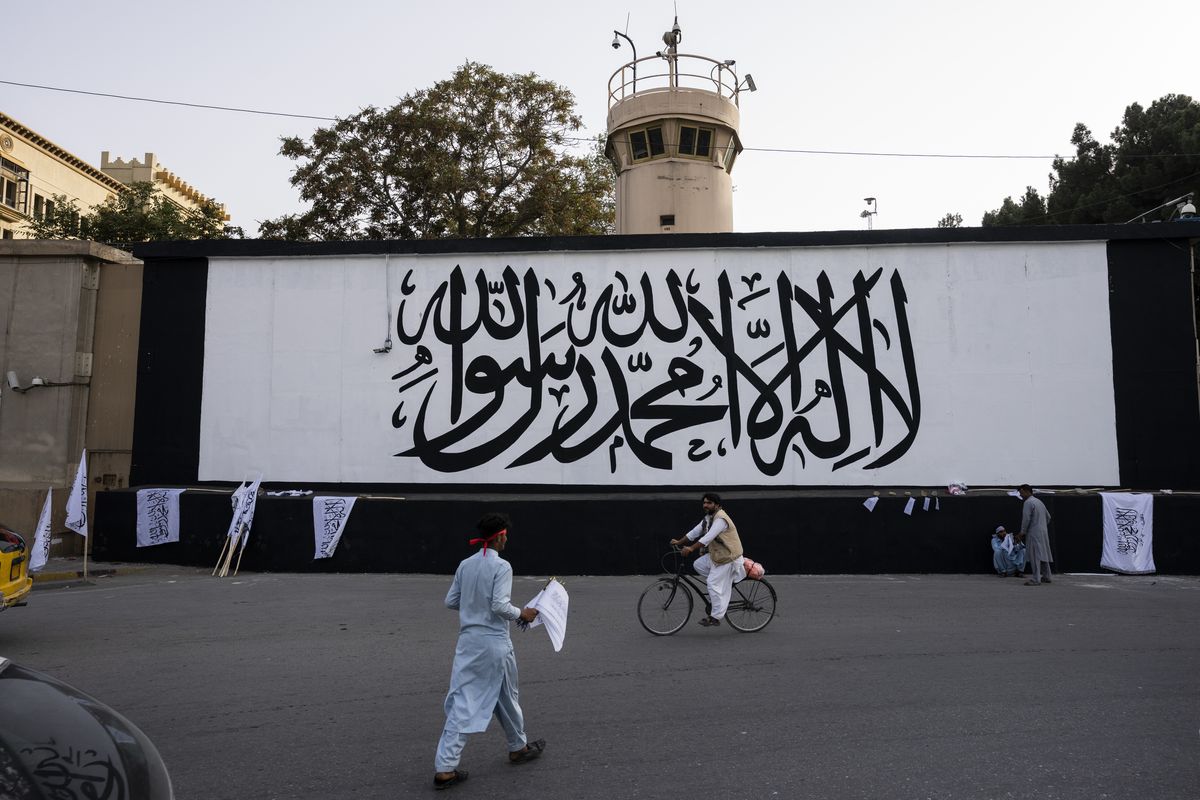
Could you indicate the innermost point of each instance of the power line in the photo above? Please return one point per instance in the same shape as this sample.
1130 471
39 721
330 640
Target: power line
169 102
791 150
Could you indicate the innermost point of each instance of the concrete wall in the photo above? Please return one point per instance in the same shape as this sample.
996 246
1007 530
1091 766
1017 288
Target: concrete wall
54 327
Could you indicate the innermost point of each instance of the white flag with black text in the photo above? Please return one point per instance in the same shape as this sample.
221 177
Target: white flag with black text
77 510
1128 532
157 516
41 537
330 515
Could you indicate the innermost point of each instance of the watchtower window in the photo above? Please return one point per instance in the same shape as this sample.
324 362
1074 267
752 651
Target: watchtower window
646 143
696 142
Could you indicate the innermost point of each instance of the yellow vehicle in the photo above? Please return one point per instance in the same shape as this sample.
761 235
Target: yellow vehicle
15 583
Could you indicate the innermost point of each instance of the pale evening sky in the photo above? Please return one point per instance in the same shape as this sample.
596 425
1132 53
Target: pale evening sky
1007 79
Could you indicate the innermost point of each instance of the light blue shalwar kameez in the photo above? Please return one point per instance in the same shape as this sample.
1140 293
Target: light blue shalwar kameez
1006 561
483 680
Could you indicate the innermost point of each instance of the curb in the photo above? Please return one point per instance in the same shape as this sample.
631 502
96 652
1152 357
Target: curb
67 575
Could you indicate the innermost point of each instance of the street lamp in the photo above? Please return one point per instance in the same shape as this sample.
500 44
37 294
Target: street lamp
869 212
617 46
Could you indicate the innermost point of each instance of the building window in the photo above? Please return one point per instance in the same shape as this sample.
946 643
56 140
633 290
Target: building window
39 206
49 208
646 143
695 142
8 234
14 184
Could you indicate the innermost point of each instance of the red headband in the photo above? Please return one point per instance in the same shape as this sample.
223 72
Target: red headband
484 542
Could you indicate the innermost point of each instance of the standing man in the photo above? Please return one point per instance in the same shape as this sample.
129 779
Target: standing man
483 680
1036 535
721 566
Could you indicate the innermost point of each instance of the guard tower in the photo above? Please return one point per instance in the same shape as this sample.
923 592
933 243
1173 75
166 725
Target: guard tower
673 136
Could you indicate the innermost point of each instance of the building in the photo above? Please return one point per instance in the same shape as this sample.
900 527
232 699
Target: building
33 170
673 138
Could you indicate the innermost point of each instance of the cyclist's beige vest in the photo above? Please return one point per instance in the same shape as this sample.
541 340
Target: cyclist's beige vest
727 546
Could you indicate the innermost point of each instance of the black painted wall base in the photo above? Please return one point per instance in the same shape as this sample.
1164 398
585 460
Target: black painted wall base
608 534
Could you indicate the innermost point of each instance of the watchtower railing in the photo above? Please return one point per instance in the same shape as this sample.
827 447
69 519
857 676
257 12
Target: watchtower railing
678 71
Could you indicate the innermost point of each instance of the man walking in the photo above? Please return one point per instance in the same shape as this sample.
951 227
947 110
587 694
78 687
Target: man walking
721 566
483 680
1036 535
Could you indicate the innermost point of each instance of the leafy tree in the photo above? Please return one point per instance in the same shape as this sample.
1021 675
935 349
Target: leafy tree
1031 210
479 154
950 221
1153 158
141 213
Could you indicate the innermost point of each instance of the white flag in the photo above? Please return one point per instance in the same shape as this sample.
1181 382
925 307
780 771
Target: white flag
41 537
235 524
330 515
157 516
1128 532
244 500
77 511
552 603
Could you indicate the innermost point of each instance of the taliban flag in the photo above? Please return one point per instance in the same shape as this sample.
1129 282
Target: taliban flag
41 537
77 513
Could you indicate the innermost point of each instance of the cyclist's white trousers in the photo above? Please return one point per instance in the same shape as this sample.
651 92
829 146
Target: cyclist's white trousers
720 579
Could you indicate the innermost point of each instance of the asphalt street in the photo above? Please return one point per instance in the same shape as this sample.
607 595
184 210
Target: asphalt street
904 686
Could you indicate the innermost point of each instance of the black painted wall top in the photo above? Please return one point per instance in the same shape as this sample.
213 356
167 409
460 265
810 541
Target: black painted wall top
1046 233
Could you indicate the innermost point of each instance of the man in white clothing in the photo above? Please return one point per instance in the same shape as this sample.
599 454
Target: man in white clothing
483 680
721 565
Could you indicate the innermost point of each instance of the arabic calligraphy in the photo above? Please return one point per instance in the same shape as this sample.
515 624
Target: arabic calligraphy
646 368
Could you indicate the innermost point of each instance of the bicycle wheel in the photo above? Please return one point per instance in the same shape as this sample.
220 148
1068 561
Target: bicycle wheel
752 605
664 607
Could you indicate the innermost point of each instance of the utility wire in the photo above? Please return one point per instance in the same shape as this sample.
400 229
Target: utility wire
793 150
168 102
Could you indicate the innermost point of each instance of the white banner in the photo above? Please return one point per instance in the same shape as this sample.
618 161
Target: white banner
1128 533
244 500
330 515
790 366
157 516
41 537
77 510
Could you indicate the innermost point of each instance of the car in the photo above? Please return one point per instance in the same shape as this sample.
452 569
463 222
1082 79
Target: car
15 583
57 742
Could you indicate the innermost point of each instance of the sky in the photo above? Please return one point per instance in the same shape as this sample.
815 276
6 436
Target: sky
967 79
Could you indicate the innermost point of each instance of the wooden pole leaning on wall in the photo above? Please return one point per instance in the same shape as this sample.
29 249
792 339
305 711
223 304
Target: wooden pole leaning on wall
221 556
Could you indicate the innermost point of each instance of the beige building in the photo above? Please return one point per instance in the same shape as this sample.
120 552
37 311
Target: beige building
69 321
34 169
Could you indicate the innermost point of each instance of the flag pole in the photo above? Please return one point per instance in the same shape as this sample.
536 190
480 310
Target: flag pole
220 556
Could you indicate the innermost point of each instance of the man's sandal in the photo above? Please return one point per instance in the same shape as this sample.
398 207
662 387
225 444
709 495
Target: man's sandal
709 622
458 776
528 753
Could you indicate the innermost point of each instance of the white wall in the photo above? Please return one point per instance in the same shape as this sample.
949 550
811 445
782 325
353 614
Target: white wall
1010 344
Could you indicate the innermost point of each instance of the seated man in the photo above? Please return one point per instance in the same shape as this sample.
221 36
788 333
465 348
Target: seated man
1008 555
722 565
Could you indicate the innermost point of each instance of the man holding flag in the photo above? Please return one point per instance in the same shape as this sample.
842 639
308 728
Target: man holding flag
483 679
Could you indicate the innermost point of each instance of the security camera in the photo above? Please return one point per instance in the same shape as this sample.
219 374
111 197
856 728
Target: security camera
750 83
616 44
13 383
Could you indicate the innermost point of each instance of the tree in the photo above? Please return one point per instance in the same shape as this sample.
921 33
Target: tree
479 154
950 221
141 213
1031 210
1153 158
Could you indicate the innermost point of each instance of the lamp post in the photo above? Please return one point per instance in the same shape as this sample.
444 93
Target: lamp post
869 212
617 45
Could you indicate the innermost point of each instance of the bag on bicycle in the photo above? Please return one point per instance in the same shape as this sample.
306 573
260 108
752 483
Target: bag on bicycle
754 570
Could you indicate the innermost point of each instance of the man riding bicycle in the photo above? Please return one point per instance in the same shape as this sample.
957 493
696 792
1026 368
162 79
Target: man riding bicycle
721 566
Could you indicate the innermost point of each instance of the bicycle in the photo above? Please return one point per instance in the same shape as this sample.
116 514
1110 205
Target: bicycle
666 605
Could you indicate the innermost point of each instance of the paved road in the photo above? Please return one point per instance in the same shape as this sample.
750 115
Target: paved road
330 686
